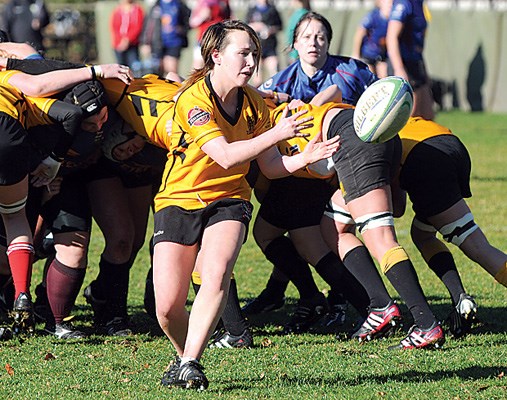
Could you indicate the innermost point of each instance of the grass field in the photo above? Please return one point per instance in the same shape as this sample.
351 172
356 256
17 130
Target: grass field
309 366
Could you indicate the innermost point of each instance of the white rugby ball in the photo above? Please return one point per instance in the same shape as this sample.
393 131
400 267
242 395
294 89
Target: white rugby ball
383 109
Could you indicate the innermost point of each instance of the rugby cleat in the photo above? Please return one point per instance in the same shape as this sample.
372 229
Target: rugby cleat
190 376
225 340
463 315
380 323
308 312
22 314
117 326
64 330
417 338
335 317
263 303
171 372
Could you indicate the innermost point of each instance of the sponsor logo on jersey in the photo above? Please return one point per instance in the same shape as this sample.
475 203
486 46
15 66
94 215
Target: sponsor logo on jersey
198 117
158 233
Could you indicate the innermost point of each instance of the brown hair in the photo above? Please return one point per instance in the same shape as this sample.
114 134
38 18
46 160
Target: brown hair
216 38
307 18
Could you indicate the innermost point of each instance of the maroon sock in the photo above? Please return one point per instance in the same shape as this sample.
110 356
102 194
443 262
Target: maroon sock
63 285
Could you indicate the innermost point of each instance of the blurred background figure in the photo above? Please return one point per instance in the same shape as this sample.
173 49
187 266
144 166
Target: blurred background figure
204 14
165 34
406 32
126 26
370 38
24 20
300 7
265 20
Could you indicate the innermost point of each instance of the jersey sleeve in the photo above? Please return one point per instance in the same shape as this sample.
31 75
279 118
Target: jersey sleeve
195 116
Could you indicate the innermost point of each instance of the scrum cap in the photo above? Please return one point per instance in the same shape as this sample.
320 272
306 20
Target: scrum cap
89 95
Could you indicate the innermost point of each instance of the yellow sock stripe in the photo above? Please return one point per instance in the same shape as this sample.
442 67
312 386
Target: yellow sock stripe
501 277
429 249
196 278
392 257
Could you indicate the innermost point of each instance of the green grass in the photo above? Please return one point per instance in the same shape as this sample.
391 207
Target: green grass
309 366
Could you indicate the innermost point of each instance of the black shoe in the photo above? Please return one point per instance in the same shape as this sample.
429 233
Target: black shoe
118 326
227 341
463 315
22 314
308 312
263 303
41 307
98 305
5 333
170 374
335 317
191 376
64 330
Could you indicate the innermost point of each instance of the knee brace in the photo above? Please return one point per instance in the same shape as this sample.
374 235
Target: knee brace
392 257
13 207
338 214
456 232
374 220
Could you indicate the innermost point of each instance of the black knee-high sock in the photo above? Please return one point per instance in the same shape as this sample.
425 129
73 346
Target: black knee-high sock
277 284
232 319
282 253
404 279
360 264
63 284
443 265
332 270
113 285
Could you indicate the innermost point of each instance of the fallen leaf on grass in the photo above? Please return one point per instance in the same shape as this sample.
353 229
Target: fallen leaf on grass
501 375
373 356
49 356
125 380
9 369
266 342
262 376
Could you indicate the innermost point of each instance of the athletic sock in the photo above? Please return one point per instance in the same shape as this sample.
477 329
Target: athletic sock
20 255
283 254
404 279
276 287
344 286
232 319
443 265
63 285
360 264
114 283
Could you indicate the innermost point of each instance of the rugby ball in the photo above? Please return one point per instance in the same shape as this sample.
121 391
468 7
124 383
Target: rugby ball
383 109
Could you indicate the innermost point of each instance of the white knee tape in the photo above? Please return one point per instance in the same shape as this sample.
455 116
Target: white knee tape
456 232
12 208
374 220
338 214
423 227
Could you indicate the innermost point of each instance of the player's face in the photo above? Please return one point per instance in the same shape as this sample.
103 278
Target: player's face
312 44
94 123
236 62
127 149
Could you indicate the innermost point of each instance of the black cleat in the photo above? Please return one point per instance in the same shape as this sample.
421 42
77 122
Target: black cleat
22 314
171 372
191 376
463 315
227 341
308 312
263 303
64 330
118 326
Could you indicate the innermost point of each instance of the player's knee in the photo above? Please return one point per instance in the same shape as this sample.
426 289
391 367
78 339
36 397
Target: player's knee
374 220
338 214
458 231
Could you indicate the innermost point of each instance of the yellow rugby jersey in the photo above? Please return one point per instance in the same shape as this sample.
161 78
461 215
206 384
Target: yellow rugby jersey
297 144
29 111
192 179
416 131
144 104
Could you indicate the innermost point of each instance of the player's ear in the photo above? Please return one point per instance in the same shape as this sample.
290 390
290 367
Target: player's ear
216 57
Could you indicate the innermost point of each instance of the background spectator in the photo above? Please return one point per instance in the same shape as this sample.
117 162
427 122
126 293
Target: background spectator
265 20
126 27
24 21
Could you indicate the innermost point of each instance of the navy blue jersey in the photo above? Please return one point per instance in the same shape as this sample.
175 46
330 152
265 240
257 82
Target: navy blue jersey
411 14
350 75
374 43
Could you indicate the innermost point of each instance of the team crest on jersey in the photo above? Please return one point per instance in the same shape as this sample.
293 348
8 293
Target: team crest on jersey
198 117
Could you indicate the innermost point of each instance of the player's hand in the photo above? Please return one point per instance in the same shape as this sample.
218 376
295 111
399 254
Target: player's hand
291 126
316 149
118 71
45 172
